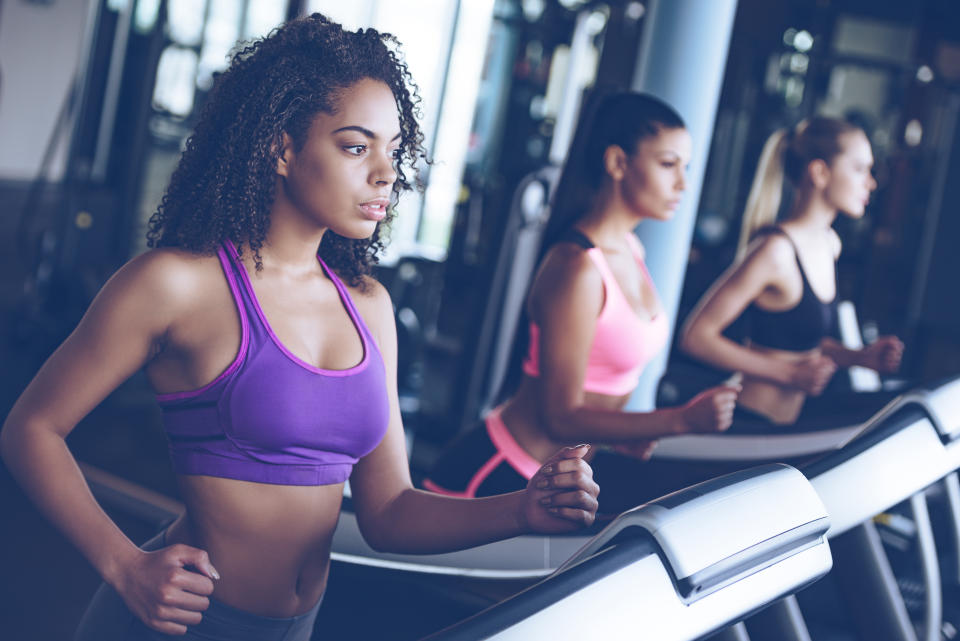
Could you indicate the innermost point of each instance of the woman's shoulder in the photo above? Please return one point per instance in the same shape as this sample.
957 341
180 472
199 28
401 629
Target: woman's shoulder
368 291
772 253
170 275
372 301
568 271
772 243
568 264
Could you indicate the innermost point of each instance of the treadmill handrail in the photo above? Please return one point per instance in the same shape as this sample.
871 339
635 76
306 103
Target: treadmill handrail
548 591
788 445
942 405
903 416
676 522
638 543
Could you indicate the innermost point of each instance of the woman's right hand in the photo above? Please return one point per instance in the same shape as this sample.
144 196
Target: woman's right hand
168 589
710 411
812 373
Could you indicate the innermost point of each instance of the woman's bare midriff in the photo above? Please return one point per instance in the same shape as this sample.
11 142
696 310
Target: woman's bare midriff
780 404
521 416
270 543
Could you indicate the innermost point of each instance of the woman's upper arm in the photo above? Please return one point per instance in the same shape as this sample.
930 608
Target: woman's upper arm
566 299
115 337
383 473
740 285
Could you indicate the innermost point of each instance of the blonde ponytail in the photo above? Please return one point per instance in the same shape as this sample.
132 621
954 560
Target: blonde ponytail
788 155
766 190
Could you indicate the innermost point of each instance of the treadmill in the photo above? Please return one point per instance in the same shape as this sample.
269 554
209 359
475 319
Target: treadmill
858 472
679 568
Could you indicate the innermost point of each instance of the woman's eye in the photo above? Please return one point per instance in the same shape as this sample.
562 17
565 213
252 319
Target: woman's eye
355 150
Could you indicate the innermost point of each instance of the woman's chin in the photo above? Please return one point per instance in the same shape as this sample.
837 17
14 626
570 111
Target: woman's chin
854 212
361 231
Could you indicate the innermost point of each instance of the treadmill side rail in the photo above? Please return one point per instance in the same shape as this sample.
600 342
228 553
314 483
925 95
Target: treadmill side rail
640 602
943 405
678 568
715 532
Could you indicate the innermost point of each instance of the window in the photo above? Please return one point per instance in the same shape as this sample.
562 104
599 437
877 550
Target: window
443 43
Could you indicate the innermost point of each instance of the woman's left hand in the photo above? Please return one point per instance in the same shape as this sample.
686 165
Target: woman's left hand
883 355
562 495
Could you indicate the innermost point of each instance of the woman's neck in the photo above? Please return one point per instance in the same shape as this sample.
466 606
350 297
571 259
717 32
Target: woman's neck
290 244
812 212
607 221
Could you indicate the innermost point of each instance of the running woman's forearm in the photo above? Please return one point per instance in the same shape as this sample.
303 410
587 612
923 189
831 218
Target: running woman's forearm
44 467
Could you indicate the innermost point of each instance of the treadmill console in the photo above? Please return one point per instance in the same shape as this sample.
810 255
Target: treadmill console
716 532
943 404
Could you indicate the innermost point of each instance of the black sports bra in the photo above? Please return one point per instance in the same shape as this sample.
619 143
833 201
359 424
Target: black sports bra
799 328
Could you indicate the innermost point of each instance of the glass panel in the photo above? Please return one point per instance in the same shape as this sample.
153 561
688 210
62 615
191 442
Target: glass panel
262 16
185 21
220 35
175 81
351 15
424 29
145 15
453 130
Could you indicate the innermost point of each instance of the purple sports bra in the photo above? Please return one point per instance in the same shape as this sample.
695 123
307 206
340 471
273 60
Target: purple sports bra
272 418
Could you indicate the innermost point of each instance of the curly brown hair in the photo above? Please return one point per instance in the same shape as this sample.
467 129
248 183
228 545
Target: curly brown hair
224 184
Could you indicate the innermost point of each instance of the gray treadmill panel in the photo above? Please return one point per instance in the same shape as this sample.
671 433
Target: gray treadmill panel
713 533
626 577
943 403
780 444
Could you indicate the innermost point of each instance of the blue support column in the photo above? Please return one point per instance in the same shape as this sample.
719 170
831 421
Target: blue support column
682 59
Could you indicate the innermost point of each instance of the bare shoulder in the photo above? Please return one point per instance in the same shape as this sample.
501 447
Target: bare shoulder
169 276
373 302
771 254
568 265
567 278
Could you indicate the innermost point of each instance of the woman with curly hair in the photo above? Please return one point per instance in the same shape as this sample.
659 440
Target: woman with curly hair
273 355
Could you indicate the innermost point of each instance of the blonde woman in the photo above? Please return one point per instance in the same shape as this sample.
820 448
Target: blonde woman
784 278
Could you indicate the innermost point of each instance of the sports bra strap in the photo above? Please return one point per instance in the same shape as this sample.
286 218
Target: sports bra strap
636 247
346 298
777 229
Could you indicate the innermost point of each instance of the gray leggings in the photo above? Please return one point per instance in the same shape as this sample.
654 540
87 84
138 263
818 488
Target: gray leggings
108 619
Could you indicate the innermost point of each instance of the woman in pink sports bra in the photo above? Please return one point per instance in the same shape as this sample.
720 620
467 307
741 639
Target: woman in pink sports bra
594 316
273 356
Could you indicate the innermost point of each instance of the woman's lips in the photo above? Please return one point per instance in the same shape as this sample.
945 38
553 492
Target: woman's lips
375 210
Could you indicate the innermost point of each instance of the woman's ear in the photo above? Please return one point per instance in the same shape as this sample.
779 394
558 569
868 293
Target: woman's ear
819 172
285 155
615 162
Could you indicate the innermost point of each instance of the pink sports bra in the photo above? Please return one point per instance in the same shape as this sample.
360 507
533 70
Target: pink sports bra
623 343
